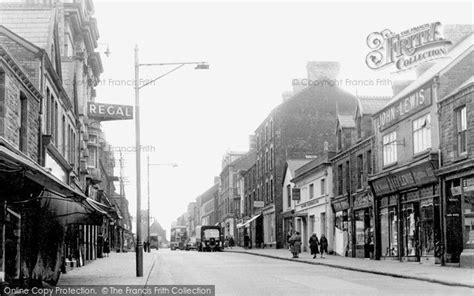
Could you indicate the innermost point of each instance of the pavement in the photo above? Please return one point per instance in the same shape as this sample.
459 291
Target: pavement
446 275
117 269
239 272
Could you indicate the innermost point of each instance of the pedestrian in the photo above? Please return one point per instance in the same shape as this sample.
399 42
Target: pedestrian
295 241
246 241
313 245
106 247
231 242
324 245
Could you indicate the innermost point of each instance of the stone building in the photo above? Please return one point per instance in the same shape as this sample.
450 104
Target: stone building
456 115
409 201
296 128
352 198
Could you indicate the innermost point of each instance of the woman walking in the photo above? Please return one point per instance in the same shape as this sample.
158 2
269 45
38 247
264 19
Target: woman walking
324 245
313 245
295 242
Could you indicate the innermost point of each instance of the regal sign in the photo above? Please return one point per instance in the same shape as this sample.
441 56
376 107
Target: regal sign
104 112
403 108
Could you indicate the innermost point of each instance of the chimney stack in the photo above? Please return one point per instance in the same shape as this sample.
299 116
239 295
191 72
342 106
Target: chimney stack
322 70
287 95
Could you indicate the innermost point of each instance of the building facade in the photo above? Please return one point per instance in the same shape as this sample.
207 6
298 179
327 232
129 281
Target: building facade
408 198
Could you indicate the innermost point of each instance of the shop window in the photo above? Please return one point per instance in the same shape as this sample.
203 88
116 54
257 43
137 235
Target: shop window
461 126
388 230
410 235
389 143
10 223
422 134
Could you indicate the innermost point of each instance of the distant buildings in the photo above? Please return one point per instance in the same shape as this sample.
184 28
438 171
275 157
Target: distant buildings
399 184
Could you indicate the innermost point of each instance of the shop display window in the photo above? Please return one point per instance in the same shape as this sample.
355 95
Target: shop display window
389 238
409 230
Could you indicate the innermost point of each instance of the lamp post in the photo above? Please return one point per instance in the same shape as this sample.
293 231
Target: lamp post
199 65
172 164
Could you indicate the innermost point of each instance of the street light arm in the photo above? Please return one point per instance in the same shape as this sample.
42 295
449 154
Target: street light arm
161 76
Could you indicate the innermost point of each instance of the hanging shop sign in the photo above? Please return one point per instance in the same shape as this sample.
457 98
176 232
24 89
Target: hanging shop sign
105 112
295 194
258 204
403 108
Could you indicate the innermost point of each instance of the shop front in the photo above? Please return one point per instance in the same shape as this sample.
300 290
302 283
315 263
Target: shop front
458 184
342 226
269 238
363 225
407 208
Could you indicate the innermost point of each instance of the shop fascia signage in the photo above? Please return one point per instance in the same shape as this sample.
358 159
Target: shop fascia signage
258 204
406 178
404 107
105 112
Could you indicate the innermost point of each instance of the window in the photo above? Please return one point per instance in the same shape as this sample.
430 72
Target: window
56 117
389 142
311 190
359 126
63 129
339 139
369 162
323 186
271 158
461 126
339 179
360 170
422 134
93 156
288 195
271 190
23 123
348 177
48 112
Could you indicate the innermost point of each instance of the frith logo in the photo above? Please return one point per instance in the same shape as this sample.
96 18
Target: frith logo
407 49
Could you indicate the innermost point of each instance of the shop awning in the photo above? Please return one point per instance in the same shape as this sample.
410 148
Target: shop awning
246 223
54 189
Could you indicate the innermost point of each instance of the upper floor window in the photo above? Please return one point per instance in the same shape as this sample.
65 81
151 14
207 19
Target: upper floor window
359 126
339 179
360 170
389 143
311 190
369 162
323 186
288 195
23 134
422 134
461 126
339 139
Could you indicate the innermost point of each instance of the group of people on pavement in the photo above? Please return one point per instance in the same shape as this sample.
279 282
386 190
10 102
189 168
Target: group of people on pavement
316 245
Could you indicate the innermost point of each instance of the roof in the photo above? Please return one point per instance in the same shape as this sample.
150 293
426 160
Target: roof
346 120
465 84
452 56
33 23
370 105
313 165
294 164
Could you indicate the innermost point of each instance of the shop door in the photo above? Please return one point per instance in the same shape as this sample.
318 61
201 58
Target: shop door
410 231
10 245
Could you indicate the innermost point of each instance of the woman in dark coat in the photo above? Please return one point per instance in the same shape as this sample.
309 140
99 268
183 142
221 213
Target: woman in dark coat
324 245
313 245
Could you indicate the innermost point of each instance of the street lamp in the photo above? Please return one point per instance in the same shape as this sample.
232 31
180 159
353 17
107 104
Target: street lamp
172 164
199 65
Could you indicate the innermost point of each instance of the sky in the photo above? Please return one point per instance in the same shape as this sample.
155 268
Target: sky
254 49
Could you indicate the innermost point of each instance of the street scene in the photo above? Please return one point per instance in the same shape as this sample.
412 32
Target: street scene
236 148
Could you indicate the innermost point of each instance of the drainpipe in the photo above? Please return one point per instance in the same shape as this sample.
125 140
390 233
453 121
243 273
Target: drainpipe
41 155
442 196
